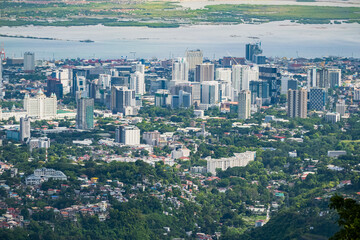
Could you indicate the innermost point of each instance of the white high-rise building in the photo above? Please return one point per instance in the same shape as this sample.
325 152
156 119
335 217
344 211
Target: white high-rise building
24 128
127 135
209 92
341 107
194 58
123 100
242 75
63 75
140 68
105 81
223 74
180 70
40 106
356 94
29 62
244 104
2 90
137 82
334 77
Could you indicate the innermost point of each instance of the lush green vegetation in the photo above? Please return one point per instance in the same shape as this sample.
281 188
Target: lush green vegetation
165 14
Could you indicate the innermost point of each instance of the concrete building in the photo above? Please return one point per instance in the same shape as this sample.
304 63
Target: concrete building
151 138
41 107
209 92
244 104
2 90
297 103
162 98
334 77
127 135
239 160
29 62
356 94
180 70
332 117
194 58
242 75
42 142
317 99
252 51
43 175
205 72
272 76
137 83
341 107
24 129
223 74
123 100
85 114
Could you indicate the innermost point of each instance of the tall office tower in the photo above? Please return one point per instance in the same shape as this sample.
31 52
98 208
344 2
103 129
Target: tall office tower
29 62
334 77
204 72
2 90
180 70
137 82
24 128
184 99
140 68
105 81
297 103
341 107
195 94
242 75
127 135
79 80
123 100
317 99
209 92
260 90
162 98
271 75
194 58
63 75
223 74
244 104
320 77
252 50
55 86
40 106
311 78
85 114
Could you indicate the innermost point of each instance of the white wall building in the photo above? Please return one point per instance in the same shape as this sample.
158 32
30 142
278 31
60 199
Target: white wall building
40 106
137 82
239 160
244 104
180 70
128 135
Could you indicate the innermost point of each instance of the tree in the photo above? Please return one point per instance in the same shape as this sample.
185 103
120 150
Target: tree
349 217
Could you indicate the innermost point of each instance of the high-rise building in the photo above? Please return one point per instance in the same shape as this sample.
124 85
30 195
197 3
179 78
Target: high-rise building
40 106
105 81
85 113
317 99
242 75
29 62
24 128
54 86
63 75
334 77
297 103
252 50
79 76
244 104
123 100
162 98
204 72
271 75
127 135
2 90
223 74
356 94
137 83
194 58
260 90
151 138
42 142
209 92
341 107
139 67
332 117
180 70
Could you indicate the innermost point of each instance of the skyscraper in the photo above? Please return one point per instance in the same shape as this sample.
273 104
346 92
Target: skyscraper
123 100
194 58
137 82
127 135
317 99
209 92
85 113
24 128
271 75
334 77
204 72
297 103
29 62
180 70
242 75
341 107
244 104
252 50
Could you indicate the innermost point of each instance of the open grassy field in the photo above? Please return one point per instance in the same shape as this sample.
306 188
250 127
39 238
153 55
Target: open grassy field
165 14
